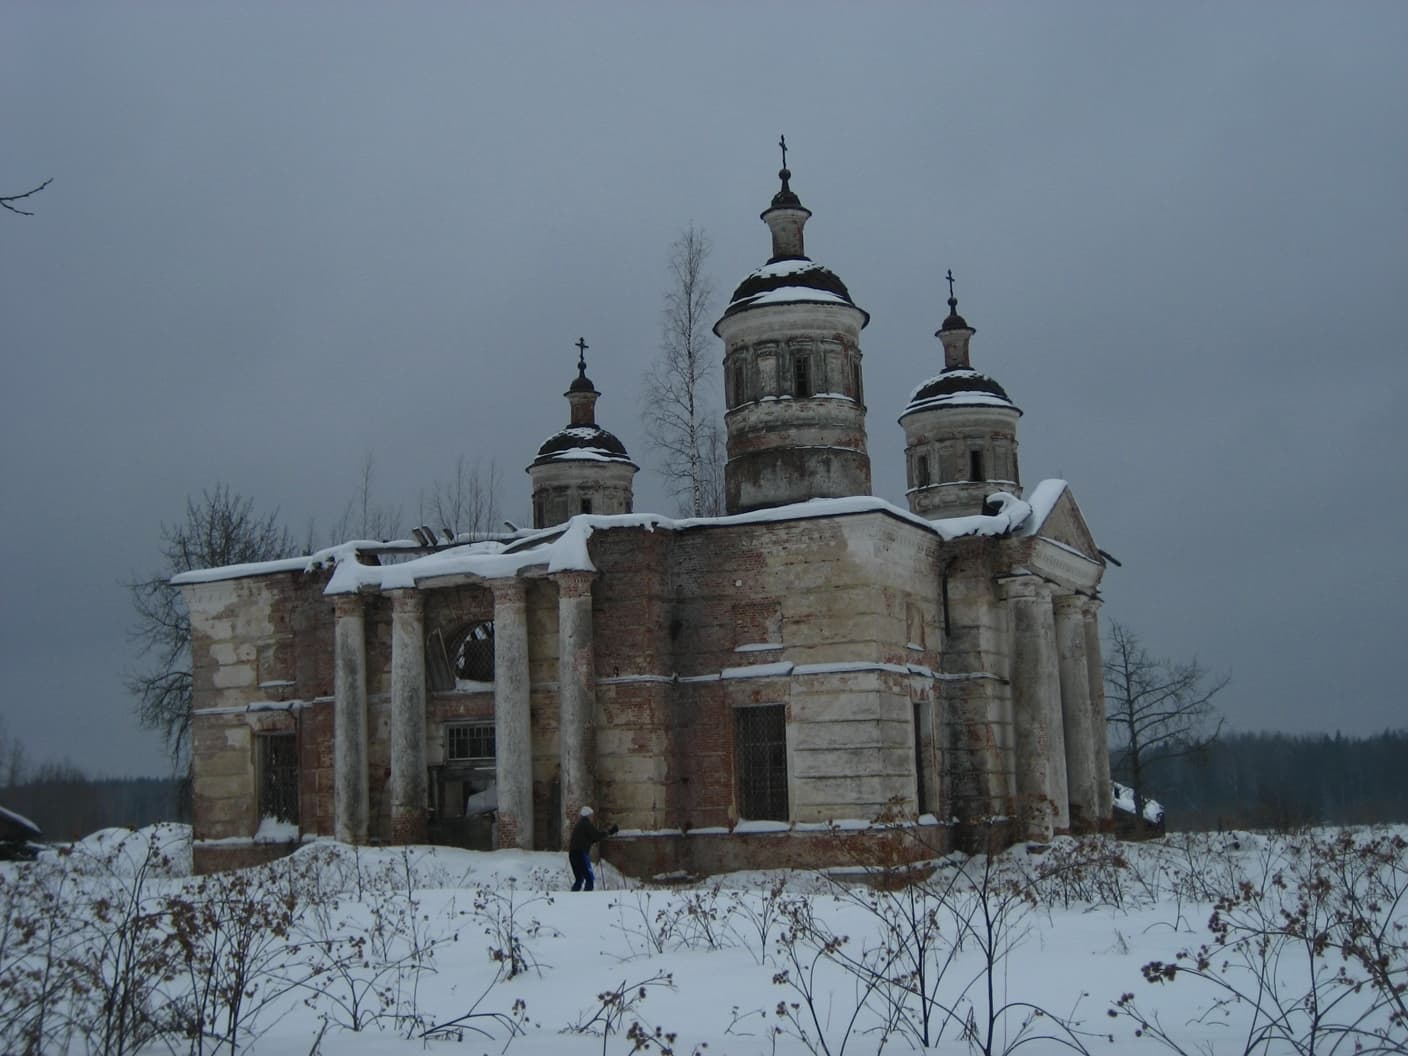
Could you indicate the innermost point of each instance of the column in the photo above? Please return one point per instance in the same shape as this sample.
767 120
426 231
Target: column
1075 710
350 807
1036 710
1095 668
576 697
408 774
513 733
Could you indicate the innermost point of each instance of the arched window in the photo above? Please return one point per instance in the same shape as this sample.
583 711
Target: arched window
474 654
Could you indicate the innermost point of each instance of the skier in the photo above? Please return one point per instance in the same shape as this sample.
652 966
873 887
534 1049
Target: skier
579 848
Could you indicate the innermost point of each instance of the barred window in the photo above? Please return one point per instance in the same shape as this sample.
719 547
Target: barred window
469 741
760 748
474 657
278 776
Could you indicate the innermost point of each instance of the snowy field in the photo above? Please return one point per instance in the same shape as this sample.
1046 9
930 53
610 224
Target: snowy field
1228 943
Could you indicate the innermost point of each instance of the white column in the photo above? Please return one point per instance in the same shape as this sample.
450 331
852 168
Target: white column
1036 710
513 733
1075 710
1095 667
350 804
408 774
576 682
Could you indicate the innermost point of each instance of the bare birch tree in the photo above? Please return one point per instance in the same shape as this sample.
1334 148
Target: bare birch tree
220 528
1157 708
680 414
468 502
363 517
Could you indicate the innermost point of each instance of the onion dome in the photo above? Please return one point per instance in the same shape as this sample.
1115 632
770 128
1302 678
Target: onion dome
583 439
582 442
959 387
789 276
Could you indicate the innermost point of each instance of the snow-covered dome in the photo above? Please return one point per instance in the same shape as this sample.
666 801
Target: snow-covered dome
793 280
958 387
583 442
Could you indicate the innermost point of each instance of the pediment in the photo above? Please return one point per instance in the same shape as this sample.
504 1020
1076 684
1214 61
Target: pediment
1065 524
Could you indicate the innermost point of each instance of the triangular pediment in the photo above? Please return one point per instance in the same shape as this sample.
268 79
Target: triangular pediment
1066 525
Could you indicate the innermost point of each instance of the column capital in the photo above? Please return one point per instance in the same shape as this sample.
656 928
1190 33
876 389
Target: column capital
1069 604
574 583
407 600
348 605
1025 588
509 590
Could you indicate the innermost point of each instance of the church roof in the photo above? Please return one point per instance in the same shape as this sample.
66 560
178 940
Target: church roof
582 443
794 280
958 387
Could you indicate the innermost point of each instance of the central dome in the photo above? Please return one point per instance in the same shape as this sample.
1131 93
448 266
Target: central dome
794 280
958 387
586 442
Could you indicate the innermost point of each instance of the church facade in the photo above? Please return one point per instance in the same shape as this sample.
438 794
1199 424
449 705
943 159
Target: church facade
740 691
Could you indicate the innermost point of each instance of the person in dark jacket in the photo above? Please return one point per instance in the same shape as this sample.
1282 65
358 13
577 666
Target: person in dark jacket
579 849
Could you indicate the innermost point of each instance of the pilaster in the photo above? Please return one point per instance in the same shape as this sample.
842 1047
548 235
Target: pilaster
408 763
1095 679
1036 706
576 693
1075 711
512 726
350 800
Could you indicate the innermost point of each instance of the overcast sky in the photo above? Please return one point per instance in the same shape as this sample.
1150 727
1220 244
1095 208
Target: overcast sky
280 237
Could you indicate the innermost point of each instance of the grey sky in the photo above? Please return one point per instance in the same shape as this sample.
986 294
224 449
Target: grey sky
282 236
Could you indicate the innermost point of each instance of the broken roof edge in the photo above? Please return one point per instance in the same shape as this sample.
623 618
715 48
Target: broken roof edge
563 547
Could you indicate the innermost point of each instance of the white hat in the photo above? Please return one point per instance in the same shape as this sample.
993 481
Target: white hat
586 812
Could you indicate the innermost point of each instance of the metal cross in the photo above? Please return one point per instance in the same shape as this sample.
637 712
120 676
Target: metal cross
950 283
782 142
582 347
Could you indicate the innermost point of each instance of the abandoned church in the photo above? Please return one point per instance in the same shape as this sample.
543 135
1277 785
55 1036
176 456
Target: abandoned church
739 691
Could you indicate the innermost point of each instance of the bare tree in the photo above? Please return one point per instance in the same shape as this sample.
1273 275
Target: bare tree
466 502
7 200
220 528
680 418
1157 708
364 517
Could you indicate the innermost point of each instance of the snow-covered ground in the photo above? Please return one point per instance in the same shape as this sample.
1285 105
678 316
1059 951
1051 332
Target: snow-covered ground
347 950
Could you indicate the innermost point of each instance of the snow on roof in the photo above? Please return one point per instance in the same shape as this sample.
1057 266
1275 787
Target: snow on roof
564 548
20 821
790 295
1042 499
585 454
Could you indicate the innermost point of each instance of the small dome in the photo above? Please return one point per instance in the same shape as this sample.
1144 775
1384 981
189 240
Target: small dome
958 387
582 443
582 383
791 281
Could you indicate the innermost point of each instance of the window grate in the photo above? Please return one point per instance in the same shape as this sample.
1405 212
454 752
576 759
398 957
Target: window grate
474 658
761 751
469 741
278 776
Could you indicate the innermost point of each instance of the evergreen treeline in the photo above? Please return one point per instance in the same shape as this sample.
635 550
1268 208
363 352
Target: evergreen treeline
1281 781
67 805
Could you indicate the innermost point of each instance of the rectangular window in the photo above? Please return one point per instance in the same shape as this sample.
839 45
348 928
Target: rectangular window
469 742
802 376
921 471
975 465
760 751
586 505
740 386
855 382
278 776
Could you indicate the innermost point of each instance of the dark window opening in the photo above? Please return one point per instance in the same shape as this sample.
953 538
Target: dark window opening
760 747
855 382
539 514
740 386
921 471
586 505
802 376
278 776
975 465
469 742
919 768
474 657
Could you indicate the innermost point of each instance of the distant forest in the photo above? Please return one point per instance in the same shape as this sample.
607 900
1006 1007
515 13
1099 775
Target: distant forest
1243 780
1280 781
66 804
